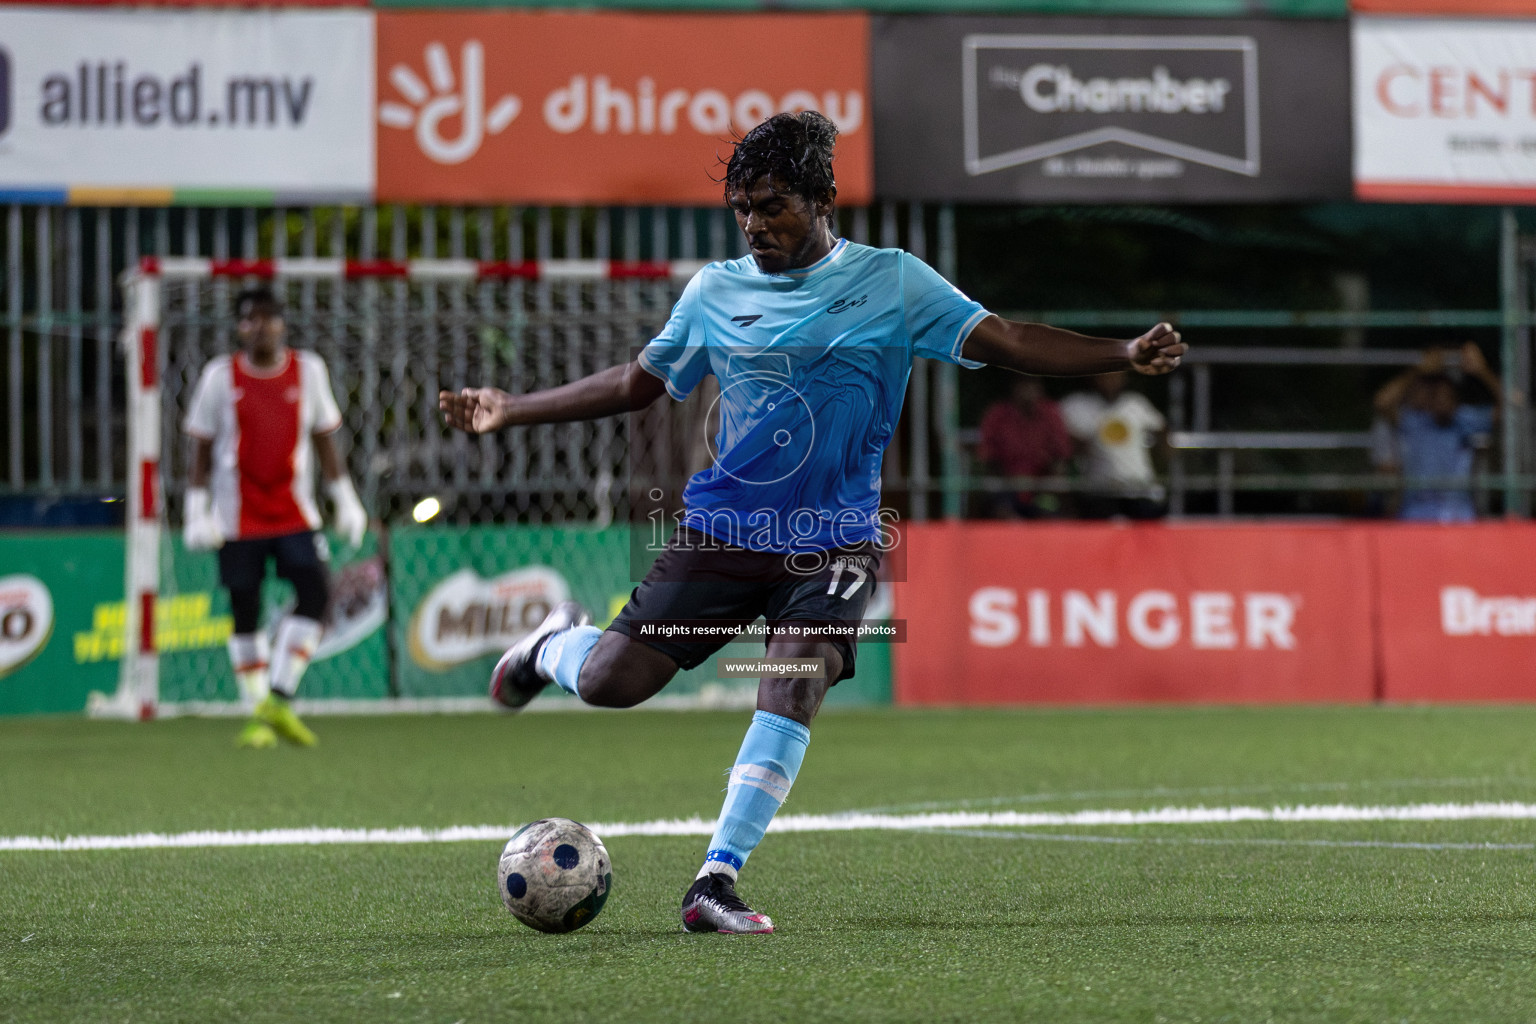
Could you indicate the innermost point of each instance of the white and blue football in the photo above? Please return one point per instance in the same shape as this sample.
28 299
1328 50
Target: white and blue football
554 875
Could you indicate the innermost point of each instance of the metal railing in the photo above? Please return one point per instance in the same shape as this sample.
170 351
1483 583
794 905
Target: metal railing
1190 396
62 426
61 378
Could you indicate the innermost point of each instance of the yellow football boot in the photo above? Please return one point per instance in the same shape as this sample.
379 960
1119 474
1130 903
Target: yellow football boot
257 735
275 712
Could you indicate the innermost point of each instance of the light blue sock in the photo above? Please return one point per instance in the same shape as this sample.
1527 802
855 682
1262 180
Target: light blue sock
765 769
563 654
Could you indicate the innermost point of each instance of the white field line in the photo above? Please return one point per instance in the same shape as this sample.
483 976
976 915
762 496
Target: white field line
1369 844
796 823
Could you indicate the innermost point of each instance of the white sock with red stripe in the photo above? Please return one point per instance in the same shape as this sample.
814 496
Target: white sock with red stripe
248 657
293 647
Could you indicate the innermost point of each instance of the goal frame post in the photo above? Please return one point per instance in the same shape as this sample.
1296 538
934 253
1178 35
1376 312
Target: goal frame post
138 687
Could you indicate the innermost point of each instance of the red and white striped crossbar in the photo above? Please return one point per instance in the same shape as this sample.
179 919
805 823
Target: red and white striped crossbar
423 270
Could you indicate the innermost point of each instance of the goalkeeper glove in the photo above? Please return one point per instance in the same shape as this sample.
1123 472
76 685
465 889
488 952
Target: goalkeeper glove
201 532
351 520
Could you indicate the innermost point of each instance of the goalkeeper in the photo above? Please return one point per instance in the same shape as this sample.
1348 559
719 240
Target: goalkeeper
258 421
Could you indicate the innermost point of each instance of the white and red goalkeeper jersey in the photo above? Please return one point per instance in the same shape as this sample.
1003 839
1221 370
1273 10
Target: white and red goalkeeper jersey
260 422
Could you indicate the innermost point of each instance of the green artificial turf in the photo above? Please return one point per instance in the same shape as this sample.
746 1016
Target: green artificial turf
1237 922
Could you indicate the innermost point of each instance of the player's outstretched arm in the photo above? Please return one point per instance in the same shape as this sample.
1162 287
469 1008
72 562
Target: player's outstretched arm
1053 352
608 392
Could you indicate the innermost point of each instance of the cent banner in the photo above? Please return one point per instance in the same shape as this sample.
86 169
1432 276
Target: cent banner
1445 111
1110 110
568 107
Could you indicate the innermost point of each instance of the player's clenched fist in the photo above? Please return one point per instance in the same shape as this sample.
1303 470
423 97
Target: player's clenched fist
477 410
1158 351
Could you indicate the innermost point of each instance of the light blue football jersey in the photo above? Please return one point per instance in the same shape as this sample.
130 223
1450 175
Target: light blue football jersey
812 366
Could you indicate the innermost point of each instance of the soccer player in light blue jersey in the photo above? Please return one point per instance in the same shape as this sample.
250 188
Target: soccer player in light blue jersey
811 339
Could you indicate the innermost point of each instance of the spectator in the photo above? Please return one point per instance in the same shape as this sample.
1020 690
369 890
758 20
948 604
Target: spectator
1116 430
1384 460
1438 434
1023 436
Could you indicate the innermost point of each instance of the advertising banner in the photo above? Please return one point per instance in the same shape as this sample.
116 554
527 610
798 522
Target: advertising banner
1445 111
1110 110
462 596
193 623
182 3
1208 8
1002 614
1458 612
50 586
62 614
567 107
1448 8
156 107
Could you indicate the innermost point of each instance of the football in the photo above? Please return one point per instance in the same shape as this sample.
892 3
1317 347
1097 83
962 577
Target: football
554 875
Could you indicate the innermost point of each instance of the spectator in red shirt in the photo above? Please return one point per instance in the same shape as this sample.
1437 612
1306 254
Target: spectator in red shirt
1023 436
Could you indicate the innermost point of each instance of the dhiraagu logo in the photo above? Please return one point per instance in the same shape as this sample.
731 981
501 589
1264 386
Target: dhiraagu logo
5 92
444 96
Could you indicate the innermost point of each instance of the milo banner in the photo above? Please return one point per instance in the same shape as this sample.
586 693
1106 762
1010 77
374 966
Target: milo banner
51 587
462 596
62 612
1110 110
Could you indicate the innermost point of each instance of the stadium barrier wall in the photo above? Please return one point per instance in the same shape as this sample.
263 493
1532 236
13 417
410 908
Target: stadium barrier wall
1003 613
1457 616
418 619
61 611
996 613
460 596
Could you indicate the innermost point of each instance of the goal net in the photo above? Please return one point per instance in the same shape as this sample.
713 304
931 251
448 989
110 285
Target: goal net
393 333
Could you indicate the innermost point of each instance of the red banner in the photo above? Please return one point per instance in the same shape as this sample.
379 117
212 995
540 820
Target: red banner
1006 614
566 107
1458 612
1448 8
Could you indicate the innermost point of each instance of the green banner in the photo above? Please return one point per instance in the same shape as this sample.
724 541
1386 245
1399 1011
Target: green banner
193 626
454 599
461 596
62 612
59 594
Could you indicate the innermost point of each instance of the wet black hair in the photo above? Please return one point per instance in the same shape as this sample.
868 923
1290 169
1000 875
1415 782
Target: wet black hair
259 295
794 148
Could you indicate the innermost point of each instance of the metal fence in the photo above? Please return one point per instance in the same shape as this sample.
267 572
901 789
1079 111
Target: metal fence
61 376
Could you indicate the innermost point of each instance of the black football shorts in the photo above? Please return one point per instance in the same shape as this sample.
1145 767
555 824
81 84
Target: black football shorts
243 563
